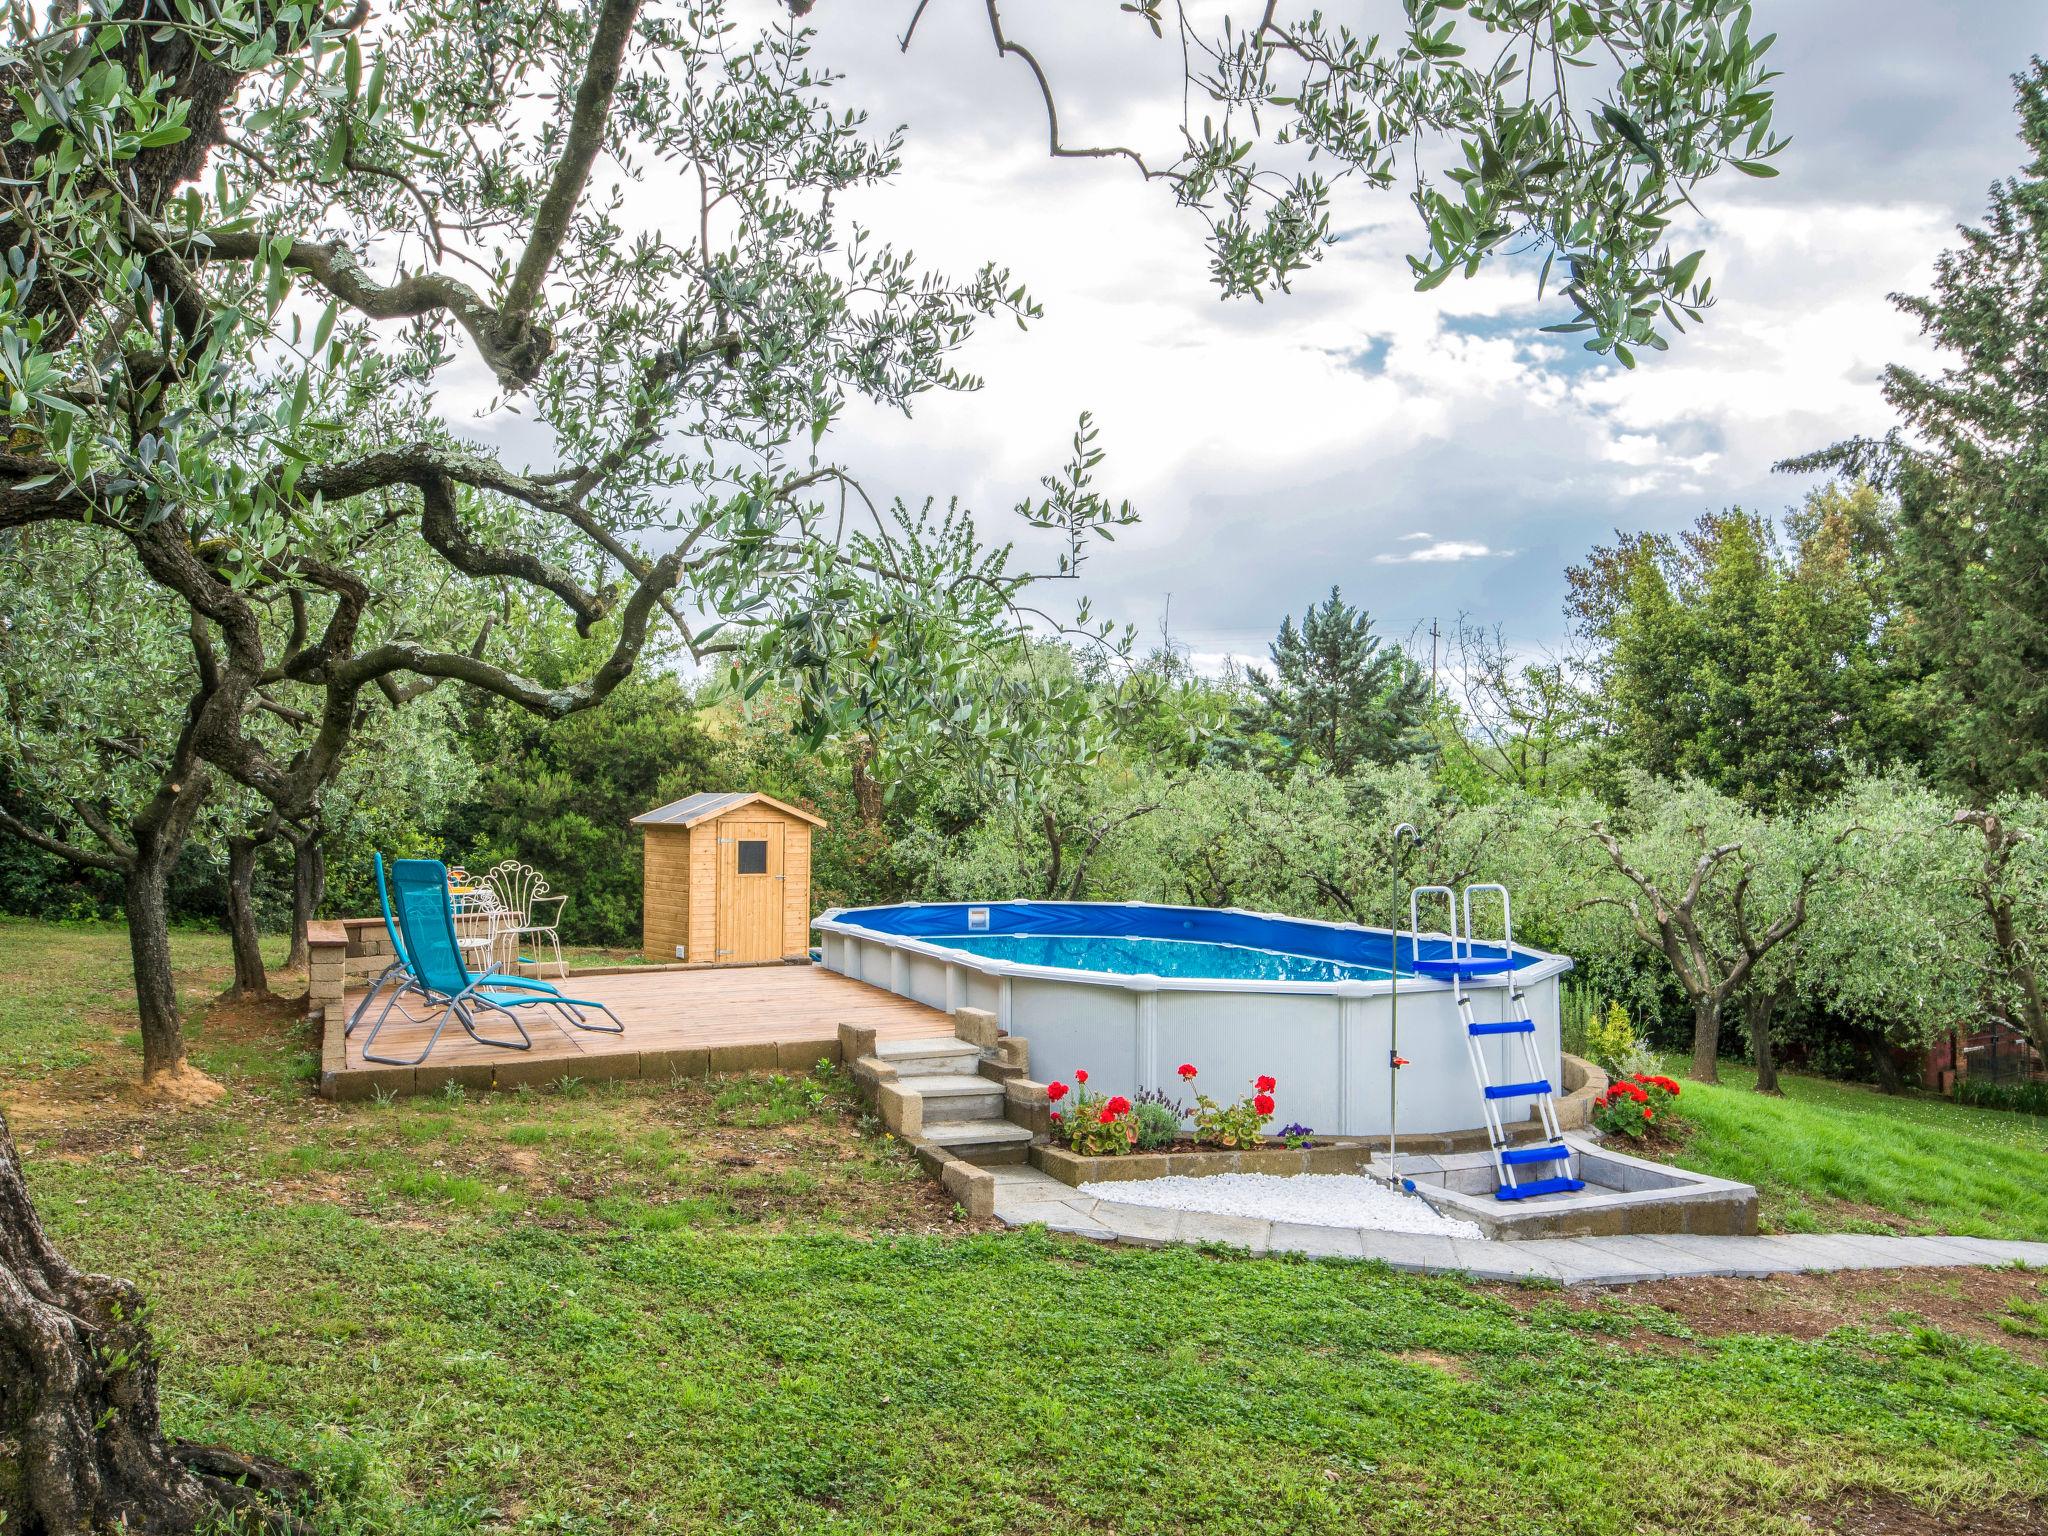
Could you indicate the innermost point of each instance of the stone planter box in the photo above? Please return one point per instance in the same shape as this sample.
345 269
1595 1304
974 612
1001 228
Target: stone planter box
1347 1156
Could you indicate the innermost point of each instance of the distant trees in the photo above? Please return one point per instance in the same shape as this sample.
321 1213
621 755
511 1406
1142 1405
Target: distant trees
1510 723
1338 697
1763 666
1969 467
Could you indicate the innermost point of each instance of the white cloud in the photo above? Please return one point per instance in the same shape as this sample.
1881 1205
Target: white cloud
1273 449
1442 552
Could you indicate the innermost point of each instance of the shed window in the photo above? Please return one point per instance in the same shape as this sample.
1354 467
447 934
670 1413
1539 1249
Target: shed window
753 856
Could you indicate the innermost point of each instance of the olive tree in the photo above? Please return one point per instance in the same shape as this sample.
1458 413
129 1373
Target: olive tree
2006 885
296 302
1310 845
257 264
97 668
1712 887
1542 128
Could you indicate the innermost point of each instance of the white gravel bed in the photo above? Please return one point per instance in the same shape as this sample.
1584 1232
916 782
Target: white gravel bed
1308 1199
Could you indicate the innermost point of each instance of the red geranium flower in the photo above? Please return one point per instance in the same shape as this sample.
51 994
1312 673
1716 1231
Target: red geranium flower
1055 1091
1265 1084
1080 1076
1055 1114
1263 1104
1187 1071
1119 1105
1649 1113
1104 1115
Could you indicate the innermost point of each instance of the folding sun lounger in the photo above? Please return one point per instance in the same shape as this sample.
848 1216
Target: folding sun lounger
400 969
433 957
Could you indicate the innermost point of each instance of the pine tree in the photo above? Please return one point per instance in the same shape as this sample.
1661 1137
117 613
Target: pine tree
1969 465
1339 697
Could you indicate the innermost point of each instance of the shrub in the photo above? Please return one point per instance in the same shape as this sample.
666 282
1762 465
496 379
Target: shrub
1237 1124
1638 1107
1094 1125
1613 1044
1158 1124
2023 1098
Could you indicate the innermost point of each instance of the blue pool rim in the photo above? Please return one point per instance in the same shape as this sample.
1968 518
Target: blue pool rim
920 928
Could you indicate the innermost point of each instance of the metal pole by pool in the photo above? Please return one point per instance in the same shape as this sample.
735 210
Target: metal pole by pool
1403 834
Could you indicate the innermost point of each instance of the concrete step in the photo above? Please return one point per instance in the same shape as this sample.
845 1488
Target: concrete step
942 1054
954 1132
953 1096
986 1142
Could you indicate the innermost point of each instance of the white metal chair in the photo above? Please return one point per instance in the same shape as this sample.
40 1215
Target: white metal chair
531 913
481 920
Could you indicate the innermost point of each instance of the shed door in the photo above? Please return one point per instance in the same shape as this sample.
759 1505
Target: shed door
749 890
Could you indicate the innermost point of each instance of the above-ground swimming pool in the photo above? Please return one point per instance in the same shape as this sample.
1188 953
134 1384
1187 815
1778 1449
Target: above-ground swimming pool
1129 991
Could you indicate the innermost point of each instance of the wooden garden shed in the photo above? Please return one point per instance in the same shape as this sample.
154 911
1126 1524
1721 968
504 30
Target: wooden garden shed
726 880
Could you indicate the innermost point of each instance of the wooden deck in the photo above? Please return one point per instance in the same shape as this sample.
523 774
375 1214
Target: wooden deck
681 1022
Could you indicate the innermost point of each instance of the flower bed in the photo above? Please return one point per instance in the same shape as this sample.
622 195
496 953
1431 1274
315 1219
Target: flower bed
1096 1136
1346 1156
1639 1107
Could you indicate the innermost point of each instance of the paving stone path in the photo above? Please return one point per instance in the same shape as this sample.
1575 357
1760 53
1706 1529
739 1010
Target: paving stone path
1025 1196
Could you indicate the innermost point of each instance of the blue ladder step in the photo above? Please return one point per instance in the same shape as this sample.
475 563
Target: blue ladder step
1519 1090
1556 1152
1539 1187
1504 1027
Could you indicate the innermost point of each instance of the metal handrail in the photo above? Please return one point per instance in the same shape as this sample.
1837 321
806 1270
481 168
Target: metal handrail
1415 928
1507 916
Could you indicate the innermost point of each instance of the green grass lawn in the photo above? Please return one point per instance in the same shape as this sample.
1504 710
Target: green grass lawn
727 1305
1829 1157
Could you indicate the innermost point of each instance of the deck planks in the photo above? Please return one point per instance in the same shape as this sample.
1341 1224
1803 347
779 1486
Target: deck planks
666 1011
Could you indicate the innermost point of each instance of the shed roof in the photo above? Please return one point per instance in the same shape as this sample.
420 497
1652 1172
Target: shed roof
691 809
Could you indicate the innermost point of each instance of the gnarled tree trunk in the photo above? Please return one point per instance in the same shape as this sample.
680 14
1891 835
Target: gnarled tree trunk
1758 1012
81 1449
309 889
246 939
1706 1037
867 789
145 898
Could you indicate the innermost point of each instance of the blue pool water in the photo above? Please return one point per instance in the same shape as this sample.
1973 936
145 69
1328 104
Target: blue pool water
1123 955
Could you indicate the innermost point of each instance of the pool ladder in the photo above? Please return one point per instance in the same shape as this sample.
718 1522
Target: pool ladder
1464 962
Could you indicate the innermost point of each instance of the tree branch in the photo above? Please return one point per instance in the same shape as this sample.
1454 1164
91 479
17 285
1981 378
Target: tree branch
513 346
70 852
586 137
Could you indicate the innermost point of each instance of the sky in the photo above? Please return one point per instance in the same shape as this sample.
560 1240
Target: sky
1433 454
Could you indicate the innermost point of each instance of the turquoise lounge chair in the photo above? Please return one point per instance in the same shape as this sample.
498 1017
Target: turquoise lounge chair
400 969
426 928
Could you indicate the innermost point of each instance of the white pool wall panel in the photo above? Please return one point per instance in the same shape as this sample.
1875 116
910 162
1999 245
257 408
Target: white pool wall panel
1328 1043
